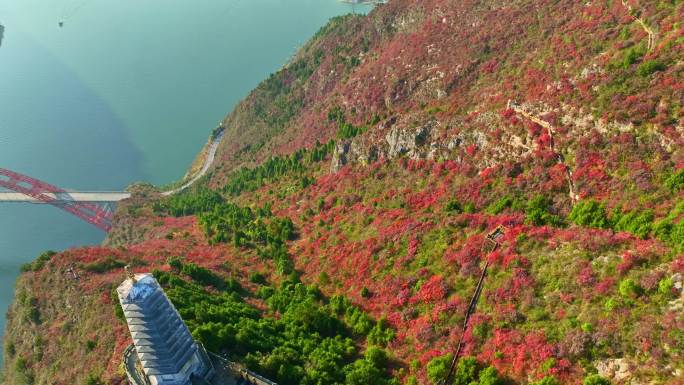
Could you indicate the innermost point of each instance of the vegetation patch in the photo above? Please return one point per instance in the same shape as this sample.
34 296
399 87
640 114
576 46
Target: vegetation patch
307 344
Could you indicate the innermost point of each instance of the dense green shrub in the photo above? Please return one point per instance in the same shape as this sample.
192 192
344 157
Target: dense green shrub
538 212
94 379
635 222
628 288
595 379
376 356
438 368
379 333
246 227
336 114
547 380
32 313
675 181
307 344
110 263
469 208
500 205
339 304
489 376
265 292
676 235
203 276
360 322
320 151
256 277
662 230
189 203
250 179
669 229
348 130
345 130
312 316
176 264
90 345
11 349
611 304
369 371
24 372
38 264
665 286
454 206
650 67
589 213
633 55
468 372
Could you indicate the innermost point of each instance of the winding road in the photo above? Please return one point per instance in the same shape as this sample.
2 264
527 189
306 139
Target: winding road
208 161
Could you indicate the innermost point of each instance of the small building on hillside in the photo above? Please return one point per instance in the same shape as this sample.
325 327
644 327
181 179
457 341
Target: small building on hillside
163 350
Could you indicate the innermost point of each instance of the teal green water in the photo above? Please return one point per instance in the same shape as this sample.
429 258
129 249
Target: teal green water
127 90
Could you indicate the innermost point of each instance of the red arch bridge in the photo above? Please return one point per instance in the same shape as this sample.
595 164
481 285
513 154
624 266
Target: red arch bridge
95 208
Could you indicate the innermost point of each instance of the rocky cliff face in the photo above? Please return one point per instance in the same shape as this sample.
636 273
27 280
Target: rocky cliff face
400 141
394 143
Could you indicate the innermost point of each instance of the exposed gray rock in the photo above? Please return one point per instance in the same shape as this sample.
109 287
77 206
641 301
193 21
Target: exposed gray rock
454 143
407 141
421 142
364 155
353 151
678 281
616 369
479 138
340 156
434 151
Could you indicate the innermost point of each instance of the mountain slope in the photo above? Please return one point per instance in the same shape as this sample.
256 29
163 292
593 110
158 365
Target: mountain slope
360 180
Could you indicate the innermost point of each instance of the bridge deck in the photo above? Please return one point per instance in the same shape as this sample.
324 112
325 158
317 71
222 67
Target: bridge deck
81 196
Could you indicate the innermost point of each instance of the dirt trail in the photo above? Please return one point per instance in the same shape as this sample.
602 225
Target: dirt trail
649 30
550 129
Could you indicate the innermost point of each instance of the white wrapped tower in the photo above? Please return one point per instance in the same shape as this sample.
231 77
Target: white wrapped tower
164 346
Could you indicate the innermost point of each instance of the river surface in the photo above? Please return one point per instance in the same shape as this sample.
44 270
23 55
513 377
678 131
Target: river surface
125 91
